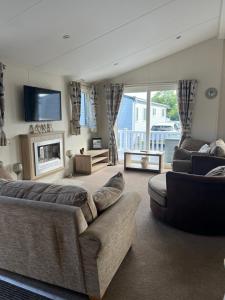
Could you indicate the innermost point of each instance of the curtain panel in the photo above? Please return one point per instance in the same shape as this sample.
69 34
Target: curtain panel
114 93
92 109
75 98
186 102
3 140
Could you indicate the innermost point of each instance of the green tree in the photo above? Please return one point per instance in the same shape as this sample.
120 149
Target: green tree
168 98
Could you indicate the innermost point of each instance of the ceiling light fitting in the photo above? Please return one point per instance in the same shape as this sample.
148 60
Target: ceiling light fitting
66 36
178 37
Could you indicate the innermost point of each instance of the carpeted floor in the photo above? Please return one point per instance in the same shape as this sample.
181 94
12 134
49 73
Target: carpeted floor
164 263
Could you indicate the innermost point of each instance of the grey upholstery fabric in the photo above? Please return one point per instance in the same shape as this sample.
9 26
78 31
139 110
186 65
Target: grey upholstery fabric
39 240
192 144
184 166
106 242
157 189
67 195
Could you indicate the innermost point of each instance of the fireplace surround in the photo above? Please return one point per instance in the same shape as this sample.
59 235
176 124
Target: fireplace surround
42 154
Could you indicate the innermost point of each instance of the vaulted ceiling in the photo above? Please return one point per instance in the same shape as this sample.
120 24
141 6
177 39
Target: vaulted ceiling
107 37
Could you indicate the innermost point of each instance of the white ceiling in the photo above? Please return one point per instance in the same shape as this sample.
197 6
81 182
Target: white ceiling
130 33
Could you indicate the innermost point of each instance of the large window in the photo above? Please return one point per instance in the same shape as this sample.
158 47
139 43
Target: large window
148 119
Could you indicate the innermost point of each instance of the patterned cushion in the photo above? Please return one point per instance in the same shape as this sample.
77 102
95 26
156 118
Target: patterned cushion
219 171
217 148
204 149
109 193
67 195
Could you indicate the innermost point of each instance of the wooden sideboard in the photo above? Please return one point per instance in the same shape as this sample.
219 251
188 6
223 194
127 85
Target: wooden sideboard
91 161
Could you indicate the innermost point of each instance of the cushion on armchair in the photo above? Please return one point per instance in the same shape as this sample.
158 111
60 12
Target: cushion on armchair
219 171
192 144
217 148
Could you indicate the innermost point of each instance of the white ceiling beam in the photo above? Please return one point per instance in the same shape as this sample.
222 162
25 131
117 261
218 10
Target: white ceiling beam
221 32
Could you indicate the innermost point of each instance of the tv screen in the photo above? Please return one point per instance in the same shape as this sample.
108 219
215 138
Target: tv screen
41 104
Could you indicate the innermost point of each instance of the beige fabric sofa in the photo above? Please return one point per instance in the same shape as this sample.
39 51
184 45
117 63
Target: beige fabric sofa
53 243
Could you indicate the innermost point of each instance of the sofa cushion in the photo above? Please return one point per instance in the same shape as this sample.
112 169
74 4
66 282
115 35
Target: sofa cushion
219 171
217 148
109 193
192 144
157 189
182 154
204 149
67 195
117 181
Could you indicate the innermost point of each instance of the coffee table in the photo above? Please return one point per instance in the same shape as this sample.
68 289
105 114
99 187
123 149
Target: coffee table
148 161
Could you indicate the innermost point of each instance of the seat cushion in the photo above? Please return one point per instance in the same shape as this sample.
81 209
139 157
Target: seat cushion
157 189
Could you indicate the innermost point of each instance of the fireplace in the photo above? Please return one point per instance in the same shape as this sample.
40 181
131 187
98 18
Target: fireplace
42 154
48 156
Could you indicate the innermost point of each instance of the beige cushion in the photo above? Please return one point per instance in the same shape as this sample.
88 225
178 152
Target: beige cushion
4 174
192 144
109 193
157 189
116 181
219 171
217 148
67 195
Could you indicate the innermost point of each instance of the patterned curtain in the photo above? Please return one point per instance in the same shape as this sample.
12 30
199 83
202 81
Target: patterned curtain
186 102
75 97
92 108
3 140
114 93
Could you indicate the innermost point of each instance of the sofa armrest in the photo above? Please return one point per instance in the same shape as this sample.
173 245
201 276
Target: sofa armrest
40 240
106 241
201 165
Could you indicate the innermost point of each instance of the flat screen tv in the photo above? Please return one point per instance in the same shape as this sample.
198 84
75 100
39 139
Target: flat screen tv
41 104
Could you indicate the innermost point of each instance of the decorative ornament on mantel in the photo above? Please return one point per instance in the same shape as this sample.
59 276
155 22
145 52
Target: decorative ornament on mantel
41 128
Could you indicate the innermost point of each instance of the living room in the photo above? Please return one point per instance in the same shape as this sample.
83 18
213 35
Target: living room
104 63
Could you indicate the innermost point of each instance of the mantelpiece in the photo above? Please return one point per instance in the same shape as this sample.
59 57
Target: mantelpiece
42 154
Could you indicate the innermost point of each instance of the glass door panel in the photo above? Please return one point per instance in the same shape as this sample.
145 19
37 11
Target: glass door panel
131 123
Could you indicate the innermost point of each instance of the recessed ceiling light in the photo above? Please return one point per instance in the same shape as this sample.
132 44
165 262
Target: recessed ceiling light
178 37
66 36
116 64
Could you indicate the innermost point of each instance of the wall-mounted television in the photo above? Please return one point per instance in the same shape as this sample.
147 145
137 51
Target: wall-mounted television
42 104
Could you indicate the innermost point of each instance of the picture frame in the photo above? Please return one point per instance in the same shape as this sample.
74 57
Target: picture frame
96 143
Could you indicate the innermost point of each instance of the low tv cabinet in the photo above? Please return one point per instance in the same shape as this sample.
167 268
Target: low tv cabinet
91 161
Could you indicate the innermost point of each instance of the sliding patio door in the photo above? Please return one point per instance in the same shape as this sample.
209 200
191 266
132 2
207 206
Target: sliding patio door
148 119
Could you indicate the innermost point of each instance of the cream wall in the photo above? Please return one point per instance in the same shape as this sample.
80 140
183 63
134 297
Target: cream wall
202 62
14 79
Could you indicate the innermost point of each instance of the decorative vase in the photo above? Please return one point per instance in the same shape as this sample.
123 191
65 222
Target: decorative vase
144 162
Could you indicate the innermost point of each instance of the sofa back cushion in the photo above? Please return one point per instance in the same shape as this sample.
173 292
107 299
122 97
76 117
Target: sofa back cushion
67 195
109 193
192 144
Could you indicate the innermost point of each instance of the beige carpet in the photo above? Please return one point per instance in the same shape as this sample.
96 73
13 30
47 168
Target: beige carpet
164 263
